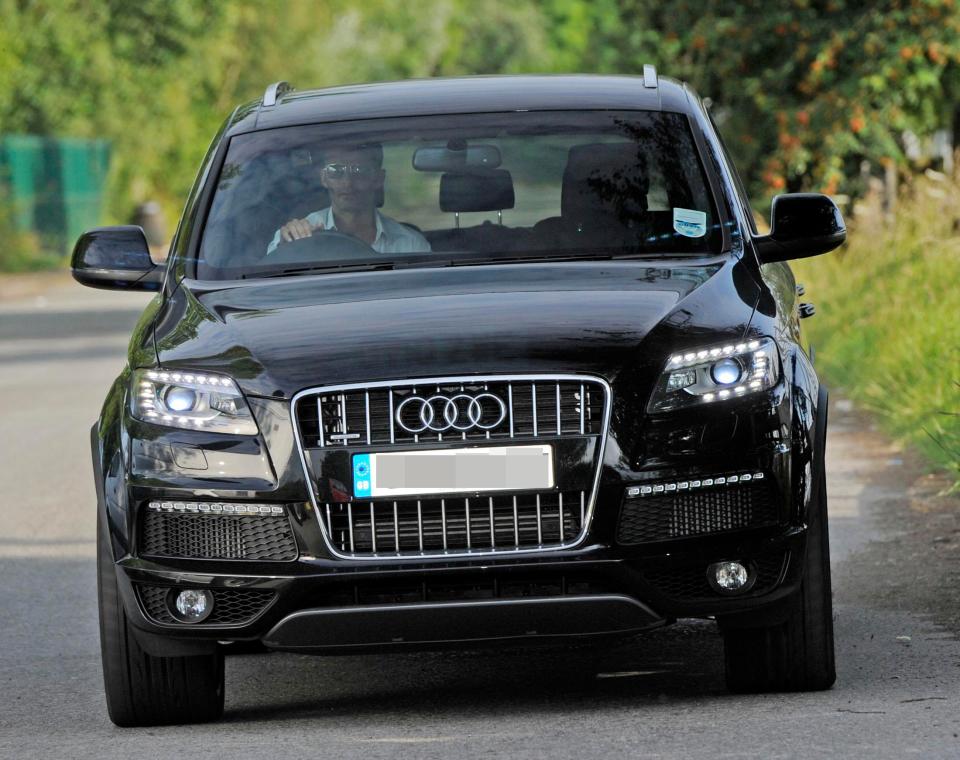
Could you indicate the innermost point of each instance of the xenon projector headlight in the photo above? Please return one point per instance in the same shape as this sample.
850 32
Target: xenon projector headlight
715 374
190 400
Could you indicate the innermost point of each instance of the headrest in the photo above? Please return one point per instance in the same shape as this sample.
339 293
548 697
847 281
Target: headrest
605 179
490 190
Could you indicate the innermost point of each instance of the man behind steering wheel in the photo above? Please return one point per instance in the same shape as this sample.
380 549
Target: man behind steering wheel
354 177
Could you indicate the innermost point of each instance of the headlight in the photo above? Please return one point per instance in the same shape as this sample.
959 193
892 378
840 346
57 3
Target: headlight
716 374
192 400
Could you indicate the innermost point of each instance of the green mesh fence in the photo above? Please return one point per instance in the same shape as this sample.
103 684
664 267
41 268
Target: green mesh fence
54 186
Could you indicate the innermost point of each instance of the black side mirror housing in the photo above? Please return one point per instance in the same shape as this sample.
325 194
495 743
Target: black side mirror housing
801 225
115 258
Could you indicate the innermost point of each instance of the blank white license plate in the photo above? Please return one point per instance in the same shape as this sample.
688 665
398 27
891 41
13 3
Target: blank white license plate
493 468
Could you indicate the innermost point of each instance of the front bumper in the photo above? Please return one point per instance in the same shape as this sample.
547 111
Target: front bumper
319 605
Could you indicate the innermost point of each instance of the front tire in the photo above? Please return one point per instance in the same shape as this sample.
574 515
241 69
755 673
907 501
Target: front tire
798 654
143 690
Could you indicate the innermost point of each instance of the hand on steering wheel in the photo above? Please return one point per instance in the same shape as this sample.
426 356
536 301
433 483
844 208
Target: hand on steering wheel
297 229
322 245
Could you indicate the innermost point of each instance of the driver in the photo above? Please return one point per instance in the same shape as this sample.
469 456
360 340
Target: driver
354 175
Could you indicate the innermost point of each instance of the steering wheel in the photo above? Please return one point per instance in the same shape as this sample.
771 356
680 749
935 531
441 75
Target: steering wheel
323 245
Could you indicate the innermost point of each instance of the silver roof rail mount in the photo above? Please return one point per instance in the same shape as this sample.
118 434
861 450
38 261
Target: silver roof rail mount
650 76
274 91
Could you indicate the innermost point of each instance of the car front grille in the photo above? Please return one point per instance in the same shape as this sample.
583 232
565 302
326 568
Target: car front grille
525 521
230 606
216 536
372 415
568 412
666 516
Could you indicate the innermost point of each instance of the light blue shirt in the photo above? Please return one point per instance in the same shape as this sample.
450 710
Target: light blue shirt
392 237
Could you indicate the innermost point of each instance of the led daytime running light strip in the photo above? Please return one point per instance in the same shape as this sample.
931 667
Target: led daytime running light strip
215 508
189 377
689 359
687 485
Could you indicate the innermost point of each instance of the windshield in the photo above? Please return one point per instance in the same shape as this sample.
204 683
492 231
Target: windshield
443 190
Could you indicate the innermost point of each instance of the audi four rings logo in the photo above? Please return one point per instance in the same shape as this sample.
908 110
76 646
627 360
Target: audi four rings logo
461 412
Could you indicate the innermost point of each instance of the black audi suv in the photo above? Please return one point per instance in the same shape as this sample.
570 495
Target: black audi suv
461 362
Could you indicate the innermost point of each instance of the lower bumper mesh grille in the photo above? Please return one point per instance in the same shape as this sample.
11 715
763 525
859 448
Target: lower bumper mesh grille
430 590
455 525
681 514
230 606
222 536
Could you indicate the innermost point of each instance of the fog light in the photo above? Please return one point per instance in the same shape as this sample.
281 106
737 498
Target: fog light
729 577
191 605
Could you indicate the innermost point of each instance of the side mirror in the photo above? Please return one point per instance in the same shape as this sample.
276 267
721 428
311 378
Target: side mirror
115 258
801 225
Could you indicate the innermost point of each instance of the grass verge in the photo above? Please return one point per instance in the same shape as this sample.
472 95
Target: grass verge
887 328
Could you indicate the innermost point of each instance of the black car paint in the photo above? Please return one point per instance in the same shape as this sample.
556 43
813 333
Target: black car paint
618 320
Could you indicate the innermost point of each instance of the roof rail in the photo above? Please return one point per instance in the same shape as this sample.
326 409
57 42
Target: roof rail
274 91
650 76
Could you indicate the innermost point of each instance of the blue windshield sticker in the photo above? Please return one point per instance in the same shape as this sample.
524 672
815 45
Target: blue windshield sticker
690 223
361 476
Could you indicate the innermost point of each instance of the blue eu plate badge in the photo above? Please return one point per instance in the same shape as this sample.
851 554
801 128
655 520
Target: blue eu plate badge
361 476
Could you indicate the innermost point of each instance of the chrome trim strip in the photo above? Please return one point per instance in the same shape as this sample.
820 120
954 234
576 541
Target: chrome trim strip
323 444
420 523
390 399
559 431
583 404
443 522
539 522
396 528
350 523
493 529
466 504
586 516
533 391
560 494
366 404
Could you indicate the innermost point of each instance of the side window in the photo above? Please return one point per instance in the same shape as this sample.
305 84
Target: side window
744 200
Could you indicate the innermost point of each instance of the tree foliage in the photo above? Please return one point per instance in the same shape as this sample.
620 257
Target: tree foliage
804 89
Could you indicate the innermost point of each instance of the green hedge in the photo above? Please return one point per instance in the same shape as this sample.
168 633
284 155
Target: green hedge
887 328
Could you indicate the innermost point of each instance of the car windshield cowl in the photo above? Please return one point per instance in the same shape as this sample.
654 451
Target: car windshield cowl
435 191
453 259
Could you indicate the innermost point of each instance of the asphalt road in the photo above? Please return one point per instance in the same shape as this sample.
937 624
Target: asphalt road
896 554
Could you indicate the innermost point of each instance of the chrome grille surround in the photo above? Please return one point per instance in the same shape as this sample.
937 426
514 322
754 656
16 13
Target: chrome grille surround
598 428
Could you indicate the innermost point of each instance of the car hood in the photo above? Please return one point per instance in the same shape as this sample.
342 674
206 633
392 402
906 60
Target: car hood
279 336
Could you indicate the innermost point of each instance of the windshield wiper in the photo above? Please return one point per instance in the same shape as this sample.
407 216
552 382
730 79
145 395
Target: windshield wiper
514 258
319 269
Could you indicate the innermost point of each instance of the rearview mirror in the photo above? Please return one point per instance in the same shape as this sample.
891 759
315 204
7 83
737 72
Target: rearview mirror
456 158
115 258
801 225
